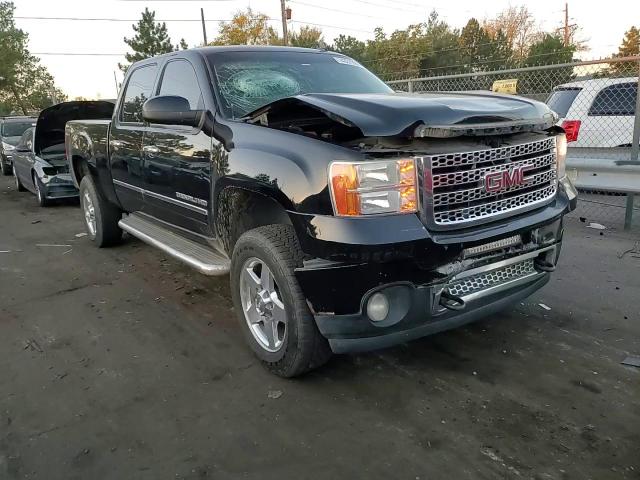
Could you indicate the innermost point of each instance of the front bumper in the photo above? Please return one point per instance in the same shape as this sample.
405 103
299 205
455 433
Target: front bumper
419 287
417 310
59 186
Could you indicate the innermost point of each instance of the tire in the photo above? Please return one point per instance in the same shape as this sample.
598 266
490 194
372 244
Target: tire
19 185
5 168
40 192
101 216
302 346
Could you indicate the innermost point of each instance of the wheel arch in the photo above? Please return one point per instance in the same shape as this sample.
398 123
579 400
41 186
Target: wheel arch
239 210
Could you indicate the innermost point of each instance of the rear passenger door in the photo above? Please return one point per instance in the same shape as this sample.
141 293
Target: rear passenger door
177 159
125 140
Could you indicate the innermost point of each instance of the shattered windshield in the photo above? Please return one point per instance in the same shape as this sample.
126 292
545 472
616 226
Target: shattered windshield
247 81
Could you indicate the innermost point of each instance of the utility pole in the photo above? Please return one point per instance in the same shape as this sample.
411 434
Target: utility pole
283 9
566 24
204 27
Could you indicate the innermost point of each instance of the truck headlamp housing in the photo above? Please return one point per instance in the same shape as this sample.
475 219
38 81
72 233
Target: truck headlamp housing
8 147
373 187
561 155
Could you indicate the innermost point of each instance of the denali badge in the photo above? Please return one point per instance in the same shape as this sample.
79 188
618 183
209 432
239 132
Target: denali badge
189 198
496 181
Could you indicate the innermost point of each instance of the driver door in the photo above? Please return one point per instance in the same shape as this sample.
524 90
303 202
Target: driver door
177 159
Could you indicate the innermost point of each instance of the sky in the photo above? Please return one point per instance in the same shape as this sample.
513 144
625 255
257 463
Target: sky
96 46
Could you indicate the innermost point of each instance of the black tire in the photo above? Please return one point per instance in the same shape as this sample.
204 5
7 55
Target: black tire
304 348
5 168
40 192
106 232
19 185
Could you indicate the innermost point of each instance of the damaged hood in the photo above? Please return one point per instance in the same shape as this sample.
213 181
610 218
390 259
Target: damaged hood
437 114
51 121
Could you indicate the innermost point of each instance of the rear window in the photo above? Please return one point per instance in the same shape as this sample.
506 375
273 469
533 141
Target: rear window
615 100
15 129
561 99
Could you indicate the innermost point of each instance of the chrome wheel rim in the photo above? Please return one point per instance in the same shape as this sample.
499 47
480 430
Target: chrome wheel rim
89 213
262 305
38 189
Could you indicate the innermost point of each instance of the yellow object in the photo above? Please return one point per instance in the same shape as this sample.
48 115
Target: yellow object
505 86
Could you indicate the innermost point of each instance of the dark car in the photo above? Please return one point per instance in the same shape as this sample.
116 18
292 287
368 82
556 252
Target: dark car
349 217
11 129
39 160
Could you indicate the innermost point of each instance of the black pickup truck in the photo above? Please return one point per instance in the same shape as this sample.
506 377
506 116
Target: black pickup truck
350 217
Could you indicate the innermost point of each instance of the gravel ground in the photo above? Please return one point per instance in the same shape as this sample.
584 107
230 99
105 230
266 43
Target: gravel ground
123 364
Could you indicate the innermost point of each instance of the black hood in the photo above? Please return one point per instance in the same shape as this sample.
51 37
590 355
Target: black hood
51 121
400 114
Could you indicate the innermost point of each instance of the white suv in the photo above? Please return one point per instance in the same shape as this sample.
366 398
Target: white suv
598 112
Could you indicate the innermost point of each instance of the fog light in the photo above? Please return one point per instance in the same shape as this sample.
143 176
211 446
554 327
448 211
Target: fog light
378 307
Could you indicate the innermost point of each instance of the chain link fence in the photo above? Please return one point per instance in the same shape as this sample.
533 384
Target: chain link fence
598 106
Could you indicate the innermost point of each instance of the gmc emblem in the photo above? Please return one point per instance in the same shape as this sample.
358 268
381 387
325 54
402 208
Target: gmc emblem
497 181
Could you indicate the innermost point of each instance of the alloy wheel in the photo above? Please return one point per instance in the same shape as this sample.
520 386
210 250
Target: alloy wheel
262 305
89 213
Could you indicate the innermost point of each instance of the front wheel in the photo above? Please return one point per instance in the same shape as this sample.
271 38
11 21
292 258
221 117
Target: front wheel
270 306
100 216
19 185
41 193
5 167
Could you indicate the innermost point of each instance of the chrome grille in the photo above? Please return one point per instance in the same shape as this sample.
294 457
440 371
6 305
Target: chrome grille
492 278
455 195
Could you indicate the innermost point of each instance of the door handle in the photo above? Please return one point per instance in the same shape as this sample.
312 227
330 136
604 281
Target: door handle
151 149
115 143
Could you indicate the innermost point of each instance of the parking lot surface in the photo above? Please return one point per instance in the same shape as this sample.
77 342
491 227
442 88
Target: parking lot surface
123 364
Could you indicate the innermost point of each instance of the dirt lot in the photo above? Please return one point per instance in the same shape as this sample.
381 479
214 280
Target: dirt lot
122 364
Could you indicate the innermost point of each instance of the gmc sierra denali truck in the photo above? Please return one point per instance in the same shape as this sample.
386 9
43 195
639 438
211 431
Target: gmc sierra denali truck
349 217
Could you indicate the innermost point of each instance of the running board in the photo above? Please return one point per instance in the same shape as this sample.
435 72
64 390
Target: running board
205 260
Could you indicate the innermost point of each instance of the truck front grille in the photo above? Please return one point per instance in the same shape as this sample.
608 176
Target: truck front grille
492 278
457 192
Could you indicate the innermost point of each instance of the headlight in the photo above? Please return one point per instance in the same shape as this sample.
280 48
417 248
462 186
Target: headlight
368 188
561 154
7 147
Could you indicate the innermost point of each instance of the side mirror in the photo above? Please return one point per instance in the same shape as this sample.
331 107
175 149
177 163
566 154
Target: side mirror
171 110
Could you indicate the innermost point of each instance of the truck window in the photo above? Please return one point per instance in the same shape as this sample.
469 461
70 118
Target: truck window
561 99
179 78
137 92
615 100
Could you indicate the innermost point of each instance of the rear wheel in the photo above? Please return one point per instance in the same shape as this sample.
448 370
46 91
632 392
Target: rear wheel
40 191
19 185
101 217
270 306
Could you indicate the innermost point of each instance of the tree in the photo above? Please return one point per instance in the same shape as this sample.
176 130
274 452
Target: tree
306 37
351 47
247 28
25 85
518 26
629 47
549 49
151 38
441 45
475 46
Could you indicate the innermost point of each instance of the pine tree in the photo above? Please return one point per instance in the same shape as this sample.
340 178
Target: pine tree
629 47
151 39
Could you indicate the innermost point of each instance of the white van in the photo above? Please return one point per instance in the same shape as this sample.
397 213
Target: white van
598 112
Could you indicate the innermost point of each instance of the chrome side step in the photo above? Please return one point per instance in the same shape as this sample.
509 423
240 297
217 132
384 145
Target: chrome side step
205 260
